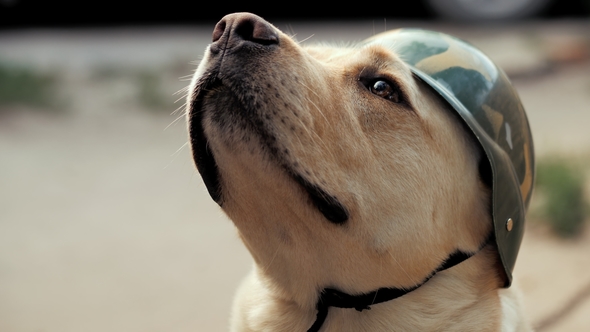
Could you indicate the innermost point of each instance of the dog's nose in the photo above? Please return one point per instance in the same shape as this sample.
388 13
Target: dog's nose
245 27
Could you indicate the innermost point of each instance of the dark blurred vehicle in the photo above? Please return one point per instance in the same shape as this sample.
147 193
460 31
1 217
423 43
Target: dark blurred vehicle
487 10
66 13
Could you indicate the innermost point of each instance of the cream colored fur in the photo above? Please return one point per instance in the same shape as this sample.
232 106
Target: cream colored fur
407 173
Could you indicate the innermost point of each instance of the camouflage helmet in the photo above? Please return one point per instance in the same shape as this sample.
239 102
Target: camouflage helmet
484 98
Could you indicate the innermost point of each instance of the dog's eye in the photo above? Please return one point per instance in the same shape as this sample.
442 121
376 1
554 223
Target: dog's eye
385 90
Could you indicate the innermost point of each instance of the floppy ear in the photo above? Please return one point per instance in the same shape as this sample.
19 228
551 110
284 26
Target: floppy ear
485 169
483 163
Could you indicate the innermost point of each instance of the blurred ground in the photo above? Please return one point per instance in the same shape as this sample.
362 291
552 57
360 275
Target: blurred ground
106 226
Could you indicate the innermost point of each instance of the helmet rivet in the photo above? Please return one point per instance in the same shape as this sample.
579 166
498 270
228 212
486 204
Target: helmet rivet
509 224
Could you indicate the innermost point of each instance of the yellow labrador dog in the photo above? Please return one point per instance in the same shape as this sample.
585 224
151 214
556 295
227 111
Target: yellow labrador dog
352 184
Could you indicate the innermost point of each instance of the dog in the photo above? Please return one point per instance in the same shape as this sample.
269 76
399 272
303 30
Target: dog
352 184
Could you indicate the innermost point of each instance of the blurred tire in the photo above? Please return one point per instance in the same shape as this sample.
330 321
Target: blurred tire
487 10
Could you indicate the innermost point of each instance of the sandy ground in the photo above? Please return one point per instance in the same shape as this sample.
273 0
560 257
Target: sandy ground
106 226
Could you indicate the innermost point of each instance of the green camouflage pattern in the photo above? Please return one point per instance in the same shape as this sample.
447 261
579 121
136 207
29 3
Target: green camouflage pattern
484 97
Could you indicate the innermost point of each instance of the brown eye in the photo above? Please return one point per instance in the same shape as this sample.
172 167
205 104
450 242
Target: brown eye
385 90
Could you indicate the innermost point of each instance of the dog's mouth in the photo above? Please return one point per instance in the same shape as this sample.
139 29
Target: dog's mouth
202 155
328 205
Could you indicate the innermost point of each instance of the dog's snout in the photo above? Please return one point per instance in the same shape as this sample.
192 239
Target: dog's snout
245 27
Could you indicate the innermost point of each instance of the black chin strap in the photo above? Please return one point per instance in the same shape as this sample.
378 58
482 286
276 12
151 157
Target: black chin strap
334 298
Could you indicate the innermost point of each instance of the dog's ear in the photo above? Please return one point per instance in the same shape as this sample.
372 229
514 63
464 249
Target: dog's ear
483 163
485 173
485 169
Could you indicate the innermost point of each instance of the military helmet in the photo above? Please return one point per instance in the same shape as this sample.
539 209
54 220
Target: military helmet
484 98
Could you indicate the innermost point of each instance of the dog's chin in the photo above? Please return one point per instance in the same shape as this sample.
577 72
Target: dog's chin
235 121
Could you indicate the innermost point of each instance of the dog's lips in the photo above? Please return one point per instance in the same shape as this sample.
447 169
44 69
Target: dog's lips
202 155
327 204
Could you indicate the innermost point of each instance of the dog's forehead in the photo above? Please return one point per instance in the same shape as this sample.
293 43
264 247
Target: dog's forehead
376 57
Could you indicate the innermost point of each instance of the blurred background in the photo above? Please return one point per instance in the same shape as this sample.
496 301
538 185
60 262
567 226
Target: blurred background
106 226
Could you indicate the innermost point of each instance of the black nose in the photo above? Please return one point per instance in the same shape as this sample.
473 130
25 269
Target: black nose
245 27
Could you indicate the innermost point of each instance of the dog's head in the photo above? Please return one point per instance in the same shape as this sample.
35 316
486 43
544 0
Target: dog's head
338 165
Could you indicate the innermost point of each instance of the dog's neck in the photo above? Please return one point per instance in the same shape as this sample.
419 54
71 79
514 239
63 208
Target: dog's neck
334 298
464 294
